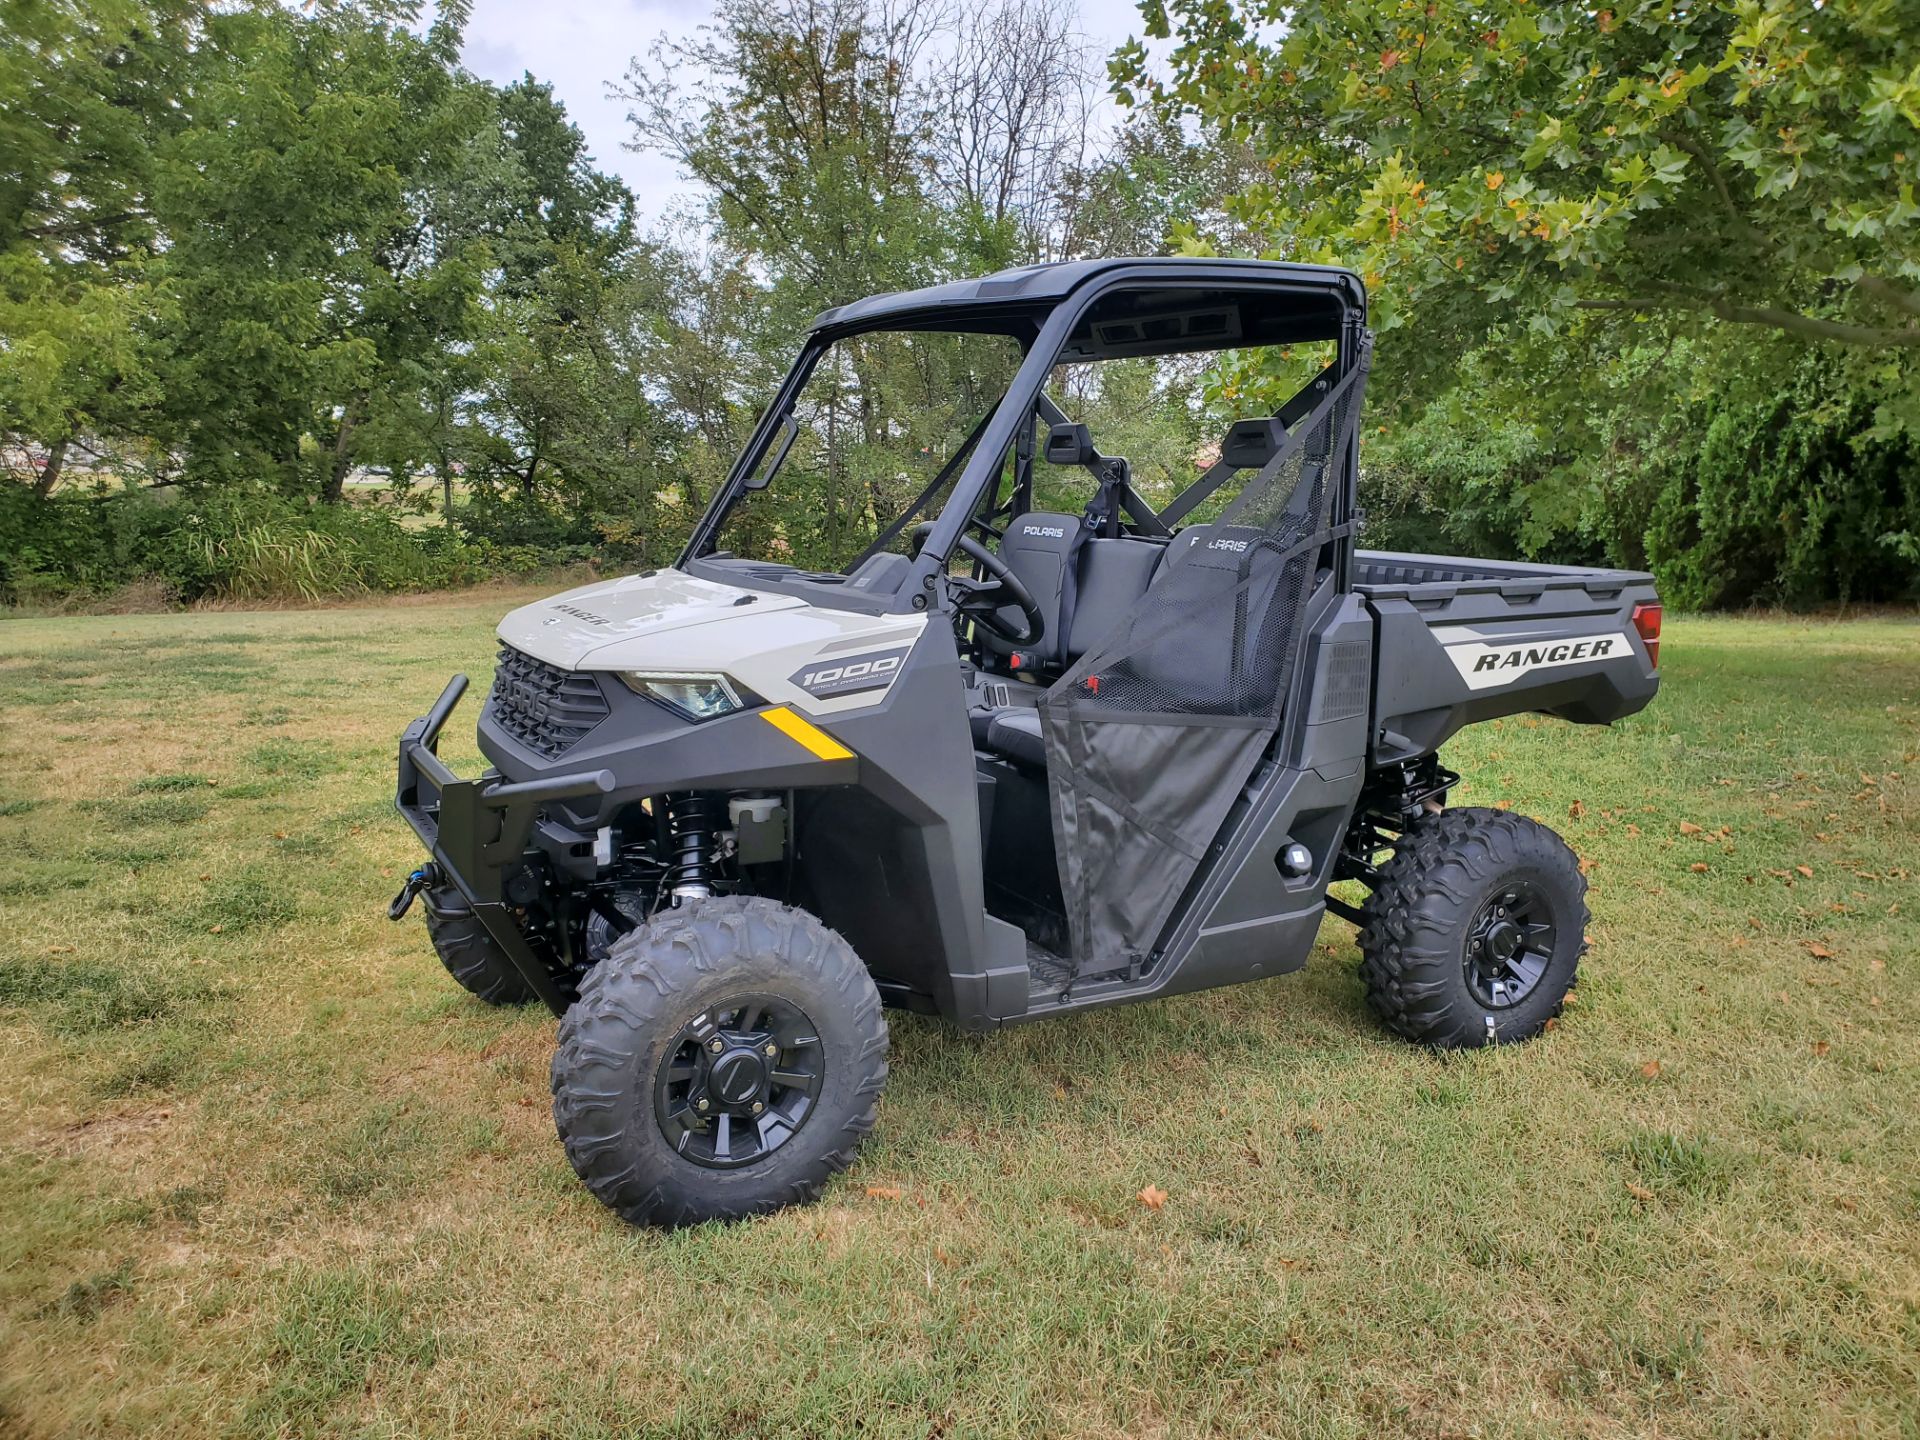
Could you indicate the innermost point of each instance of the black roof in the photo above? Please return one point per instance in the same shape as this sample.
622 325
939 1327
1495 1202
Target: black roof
1044 284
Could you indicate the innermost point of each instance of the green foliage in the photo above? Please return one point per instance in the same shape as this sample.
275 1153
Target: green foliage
87 90
320 258
1745 159
1647 278
1789 498
1608 252
236 544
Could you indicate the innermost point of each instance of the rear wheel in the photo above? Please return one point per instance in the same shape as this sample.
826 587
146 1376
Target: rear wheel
724 1060
1475 930
469 952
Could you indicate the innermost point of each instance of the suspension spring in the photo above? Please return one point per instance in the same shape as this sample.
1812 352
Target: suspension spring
691 821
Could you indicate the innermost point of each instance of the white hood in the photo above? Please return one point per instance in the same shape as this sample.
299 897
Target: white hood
674 622
567 628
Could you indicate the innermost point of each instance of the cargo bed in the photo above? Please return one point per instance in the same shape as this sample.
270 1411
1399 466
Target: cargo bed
1459 640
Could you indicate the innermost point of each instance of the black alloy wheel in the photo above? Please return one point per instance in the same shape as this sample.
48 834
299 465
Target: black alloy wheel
1510 944
739 1081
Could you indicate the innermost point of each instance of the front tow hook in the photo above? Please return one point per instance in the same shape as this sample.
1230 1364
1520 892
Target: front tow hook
424 878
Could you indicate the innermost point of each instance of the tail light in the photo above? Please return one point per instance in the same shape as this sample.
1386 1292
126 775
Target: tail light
1646 620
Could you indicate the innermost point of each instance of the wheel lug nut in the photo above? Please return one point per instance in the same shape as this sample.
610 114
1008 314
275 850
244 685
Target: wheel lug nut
716 1045
772 1049
699 1104
758 1107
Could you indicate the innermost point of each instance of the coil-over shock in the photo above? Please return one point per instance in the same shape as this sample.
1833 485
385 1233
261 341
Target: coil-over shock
690 829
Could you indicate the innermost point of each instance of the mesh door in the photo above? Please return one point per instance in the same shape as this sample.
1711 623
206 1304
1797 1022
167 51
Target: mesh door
1154 732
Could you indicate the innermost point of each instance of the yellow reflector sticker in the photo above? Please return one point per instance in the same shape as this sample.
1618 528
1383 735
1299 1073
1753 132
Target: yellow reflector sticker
823 745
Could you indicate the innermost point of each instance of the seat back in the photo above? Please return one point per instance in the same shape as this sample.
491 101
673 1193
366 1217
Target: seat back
1222 649
1111 574
1036 548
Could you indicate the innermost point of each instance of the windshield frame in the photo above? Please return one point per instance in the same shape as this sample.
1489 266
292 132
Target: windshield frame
1019 323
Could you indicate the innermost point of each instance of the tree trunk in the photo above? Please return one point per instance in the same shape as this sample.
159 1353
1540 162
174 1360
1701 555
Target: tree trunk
446 490
342 454
50 472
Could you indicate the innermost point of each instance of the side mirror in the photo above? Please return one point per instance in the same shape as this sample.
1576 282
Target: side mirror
776 456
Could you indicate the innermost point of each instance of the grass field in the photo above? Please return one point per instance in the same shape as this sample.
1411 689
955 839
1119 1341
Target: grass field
265 1171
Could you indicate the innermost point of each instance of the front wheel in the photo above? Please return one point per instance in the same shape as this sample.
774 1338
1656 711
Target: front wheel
724 1060
1475 930
470 954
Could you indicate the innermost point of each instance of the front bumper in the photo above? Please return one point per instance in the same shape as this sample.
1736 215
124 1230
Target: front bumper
478 831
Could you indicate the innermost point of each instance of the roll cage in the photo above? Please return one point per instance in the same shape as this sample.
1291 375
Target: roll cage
1050 311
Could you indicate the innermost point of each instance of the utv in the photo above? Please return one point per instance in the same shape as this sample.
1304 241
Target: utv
1036 735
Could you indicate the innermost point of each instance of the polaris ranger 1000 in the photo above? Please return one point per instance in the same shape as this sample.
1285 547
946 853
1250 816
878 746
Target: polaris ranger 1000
1039 734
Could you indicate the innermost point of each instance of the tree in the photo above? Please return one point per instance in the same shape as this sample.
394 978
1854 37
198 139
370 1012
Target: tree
87 90
1011 107
1153 183
812 143
314 270
1746 161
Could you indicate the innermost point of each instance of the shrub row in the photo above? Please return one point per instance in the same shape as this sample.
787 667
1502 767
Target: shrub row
247 545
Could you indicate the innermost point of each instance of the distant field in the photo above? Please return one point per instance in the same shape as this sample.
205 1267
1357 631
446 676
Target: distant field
264 1171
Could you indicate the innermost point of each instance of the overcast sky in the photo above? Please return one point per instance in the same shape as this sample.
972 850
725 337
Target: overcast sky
580 45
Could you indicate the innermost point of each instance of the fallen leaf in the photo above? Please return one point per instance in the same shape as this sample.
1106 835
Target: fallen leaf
1699 867
1848 1204
883 1192
1632 829
1503 804
1639 1192
1818 951
1820 1047
1805 870
1651 1069
1876 963
1153 1197
1576 810
217 929
1687 827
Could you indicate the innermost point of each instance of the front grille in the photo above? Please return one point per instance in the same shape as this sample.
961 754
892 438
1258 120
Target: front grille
545 708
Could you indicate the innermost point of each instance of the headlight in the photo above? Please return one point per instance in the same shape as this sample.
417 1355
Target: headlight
697 697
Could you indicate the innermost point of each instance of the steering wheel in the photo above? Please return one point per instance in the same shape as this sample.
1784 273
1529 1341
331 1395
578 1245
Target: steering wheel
983 600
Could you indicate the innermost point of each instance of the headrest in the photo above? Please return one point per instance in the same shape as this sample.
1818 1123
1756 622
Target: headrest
1069 445
1220 546
1041 530
1252 443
